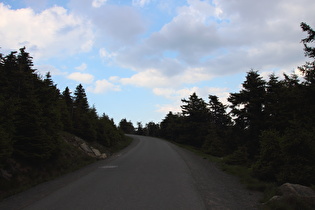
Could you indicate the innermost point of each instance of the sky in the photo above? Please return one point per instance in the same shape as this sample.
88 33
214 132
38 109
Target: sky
137 59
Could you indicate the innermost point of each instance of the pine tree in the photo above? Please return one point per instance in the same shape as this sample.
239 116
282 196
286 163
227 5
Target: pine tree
274 103
217 140
6 116
66 106
108 134
83 122
153 129
218 115
66 95
308 69
140 129
31 139
49 97
91 124
80 99
171 127
248 110
196 117
195 109
126 127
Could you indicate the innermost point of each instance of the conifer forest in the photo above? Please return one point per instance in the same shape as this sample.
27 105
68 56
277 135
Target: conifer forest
268 126
34 115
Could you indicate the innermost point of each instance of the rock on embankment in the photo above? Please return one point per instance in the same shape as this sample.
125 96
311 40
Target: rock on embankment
294 195
85 147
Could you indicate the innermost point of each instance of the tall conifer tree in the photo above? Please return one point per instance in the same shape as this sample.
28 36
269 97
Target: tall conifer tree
248 108
196 117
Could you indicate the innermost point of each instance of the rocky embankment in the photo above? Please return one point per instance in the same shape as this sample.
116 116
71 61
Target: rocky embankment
18 175
85 147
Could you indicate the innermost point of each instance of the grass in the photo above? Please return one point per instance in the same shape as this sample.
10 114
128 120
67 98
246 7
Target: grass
199 152
121 145
244 174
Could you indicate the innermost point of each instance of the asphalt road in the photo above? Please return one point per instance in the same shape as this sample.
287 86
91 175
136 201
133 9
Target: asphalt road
149 174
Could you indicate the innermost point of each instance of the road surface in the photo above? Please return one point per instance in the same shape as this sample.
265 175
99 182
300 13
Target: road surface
149 174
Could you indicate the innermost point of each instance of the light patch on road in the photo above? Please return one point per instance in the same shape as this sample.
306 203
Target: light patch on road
108 167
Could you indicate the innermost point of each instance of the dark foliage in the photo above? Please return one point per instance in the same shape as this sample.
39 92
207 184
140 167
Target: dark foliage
33 113
152 129
217 140
273 126
126 126
247 109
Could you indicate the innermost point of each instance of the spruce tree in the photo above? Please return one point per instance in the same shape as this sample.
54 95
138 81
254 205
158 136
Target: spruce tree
49 97
153 129
218 114
6 115
68 98
195 109
66 106
308 70
196 117
126 127
274 104
140 129
31 139
248 109
217 140
83 124
107 132
171 127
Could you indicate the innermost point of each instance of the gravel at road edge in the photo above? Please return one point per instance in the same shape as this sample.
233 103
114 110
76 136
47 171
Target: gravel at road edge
218 189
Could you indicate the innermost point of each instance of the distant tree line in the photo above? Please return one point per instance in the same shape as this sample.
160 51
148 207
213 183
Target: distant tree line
33 113
150 129
268 126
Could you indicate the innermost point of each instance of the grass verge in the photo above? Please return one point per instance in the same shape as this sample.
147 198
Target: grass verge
121 145
242 172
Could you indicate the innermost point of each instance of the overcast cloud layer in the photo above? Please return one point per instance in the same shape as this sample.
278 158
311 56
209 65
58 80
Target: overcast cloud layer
170 47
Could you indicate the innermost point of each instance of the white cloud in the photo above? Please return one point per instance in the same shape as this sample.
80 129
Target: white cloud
114 79
44 69
191 33
150 78
116 26
51 33
80 77
175 95
155 78
102 86
98 3
140 3
104 54
82 67
204 40
166 108
178 94
210 39
188 36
